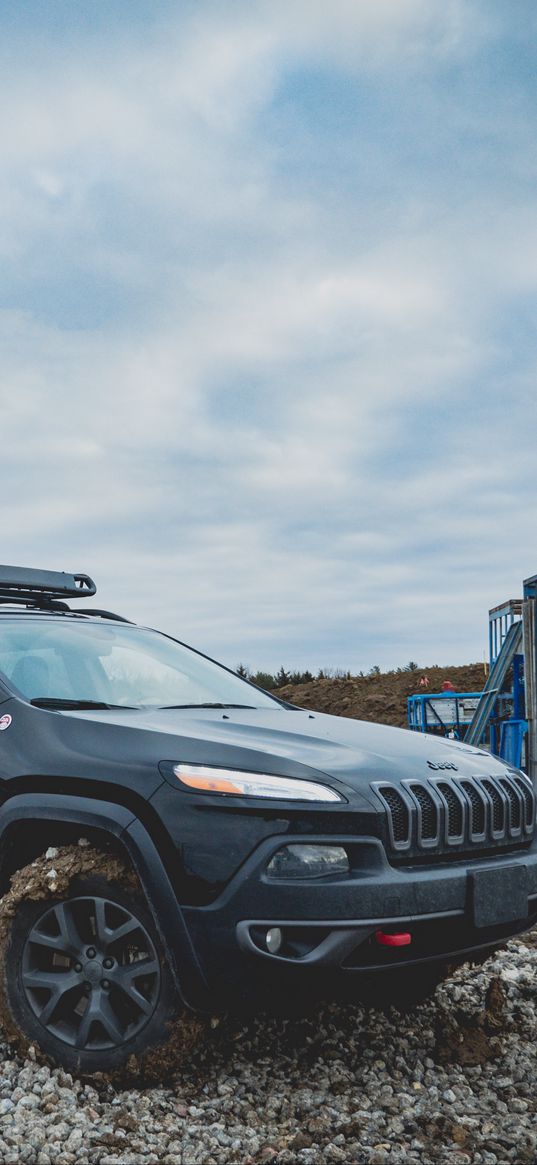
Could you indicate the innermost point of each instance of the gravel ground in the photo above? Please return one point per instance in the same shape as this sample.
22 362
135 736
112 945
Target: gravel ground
452 1082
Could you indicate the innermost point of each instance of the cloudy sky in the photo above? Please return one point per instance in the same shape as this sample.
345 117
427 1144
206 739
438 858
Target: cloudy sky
268 275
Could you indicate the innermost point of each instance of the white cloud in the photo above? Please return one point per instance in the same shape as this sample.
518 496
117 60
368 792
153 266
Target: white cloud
242 445
357 33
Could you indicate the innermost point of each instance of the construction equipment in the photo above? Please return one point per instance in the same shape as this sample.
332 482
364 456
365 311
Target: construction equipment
504 714
443 713
495 684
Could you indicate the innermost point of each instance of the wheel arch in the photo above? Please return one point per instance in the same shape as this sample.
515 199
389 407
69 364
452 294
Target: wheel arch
29 824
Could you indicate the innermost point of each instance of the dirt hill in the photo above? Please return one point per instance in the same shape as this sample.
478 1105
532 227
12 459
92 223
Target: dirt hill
380 697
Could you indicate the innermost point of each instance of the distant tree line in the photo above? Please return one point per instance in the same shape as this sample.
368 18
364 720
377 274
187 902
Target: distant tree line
283 677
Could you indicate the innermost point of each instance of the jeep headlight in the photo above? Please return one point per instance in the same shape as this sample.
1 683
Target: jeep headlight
206 779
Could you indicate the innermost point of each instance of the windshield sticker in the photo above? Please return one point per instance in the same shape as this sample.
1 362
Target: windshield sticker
5 721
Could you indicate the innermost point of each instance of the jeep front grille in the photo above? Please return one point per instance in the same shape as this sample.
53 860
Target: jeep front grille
447 813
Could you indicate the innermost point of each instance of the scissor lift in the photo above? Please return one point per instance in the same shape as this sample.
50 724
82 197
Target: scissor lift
443 713
504 714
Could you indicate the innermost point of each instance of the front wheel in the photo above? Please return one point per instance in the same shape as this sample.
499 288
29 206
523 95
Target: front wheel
85 979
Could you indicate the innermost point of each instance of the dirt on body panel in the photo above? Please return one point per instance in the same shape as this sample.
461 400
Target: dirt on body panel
50 877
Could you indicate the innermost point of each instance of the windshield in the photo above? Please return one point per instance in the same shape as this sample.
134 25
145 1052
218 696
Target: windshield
49 660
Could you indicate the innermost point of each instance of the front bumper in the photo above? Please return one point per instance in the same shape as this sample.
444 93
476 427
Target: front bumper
451 910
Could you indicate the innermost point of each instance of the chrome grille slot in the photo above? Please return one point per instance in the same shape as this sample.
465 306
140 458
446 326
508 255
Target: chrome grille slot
528 801
515 806
399 815
478 809
455 813
428 812
498 807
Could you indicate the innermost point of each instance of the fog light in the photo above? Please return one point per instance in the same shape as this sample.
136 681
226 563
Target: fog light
273 940
308 861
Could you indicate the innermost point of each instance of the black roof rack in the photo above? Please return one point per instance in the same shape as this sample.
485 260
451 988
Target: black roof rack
39 588
102 614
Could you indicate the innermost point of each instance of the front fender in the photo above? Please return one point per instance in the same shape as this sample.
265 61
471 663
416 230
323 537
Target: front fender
122 824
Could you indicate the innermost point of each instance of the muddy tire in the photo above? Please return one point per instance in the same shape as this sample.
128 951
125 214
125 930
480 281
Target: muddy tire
85 978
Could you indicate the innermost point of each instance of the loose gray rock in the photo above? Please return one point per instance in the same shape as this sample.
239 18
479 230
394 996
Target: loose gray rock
451 1083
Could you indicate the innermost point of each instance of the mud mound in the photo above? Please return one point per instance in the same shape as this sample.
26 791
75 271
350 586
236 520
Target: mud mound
379 697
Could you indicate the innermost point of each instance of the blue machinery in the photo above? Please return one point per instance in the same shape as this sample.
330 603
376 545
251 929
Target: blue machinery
503 717
443 713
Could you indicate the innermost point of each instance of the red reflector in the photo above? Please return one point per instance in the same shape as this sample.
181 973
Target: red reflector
393 940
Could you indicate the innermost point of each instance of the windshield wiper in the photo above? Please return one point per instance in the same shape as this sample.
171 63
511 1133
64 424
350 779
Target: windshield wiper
163 706
74 705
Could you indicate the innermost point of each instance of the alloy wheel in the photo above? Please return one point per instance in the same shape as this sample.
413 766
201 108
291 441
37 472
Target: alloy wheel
90 973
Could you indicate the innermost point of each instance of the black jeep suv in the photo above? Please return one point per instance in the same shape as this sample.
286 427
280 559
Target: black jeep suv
266 850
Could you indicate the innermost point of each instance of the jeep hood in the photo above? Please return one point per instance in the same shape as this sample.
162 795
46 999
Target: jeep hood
284 741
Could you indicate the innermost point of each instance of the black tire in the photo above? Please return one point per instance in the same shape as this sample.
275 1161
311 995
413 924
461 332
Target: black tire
72 982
